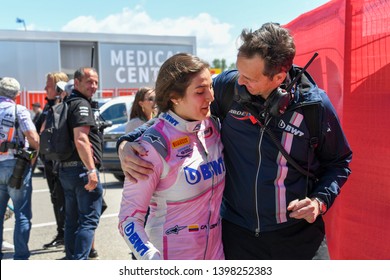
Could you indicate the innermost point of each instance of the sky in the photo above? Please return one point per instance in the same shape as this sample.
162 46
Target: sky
216 24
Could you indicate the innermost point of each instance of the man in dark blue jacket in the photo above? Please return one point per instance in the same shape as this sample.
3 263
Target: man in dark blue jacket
271 209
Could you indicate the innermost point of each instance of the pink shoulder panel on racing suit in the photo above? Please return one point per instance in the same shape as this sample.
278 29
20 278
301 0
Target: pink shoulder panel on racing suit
184 193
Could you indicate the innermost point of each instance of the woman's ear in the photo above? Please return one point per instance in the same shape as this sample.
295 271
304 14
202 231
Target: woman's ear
175 101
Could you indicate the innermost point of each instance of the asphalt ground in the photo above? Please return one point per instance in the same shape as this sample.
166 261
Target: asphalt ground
114 255
108 241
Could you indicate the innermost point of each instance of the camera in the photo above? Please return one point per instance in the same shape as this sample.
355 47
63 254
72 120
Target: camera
101 123
6 145
27 154
23 159
94 105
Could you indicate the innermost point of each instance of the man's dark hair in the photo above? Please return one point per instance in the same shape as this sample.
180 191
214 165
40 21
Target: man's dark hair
271 42
81 72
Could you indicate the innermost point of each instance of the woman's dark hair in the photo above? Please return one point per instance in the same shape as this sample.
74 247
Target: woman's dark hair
136 110
175 76
271 42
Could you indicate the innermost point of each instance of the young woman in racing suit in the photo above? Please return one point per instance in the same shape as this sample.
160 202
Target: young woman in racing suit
185 191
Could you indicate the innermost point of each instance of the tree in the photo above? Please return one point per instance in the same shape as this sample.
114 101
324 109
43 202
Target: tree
232 66
221 64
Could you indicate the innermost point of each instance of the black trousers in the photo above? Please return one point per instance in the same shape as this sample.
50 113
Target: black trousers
56 195
297 242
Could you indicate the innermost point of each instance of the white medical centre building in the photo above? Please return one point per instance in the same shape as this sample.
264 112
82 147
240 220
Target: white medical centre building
124 62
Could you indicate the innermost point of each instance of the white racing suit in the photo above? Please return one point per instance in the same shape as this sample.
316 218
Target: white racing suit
184 193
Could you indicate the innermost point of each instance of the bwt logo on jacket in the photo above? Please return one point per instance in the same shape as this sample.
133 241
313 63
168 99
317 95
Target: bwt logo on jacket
135 240
290 129
205 172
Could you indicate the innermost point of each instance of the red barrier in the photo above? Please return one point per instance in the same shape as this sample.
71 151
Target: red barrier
351 38
27 98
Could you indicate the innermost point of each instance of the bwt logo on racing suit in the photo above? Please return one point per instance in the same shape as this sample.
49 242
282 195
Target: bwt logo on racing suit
135 240
170 119
207 170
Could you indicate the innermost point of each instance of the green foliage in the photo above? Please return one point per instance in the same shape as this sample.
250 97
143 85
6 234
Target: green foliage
221 63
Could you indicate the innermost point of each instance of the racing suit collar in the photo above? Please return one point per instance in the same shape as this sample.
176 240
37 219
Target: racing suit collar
180 124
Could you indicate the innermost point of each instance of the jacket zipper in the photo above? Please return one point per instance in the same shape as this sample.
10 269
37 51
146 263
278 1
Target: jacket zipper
262 130
257 230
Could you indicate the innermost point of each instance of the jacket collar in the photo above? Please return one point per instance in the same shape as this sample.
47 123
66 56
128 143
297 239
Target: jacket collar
76 93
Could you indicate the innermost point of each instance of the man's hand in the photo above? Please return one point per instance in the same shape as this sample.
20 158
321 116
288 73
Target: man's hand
132 165
304 209
92 181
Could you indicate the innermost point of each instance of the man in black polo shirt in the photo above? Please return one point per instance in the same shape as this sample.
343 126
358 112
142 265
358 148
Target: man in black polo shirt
79 174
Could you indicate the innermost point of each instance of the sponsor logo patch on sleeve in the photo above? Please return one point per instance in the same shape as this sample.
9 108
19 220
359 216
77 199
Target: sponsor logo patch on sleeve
180 142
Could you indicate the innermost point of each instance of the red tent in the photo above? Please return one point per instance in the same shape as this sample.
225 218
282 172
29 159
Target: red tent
351 38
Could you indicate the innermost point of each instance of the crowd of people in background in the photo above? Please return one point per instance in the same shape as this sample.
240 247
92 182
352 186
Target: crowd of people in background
77 206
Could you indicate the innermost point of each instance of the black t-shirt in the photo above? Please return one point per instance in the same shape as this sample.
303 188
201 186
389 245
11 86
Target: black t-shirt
80 114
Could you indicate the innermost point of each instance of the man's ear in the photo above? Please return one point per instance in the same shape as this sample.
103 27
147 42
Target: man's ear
280 77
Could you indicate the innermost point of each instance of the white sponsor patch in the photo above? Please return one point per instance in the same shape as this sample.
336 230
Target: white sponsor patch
84 111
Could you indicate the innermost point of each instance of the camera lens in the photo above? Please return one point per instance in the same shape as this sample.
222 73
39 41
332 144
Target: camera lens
16 179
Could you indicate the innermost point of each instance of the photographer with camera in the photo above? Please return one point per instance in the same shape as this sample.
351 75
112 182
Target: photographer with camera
16 157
